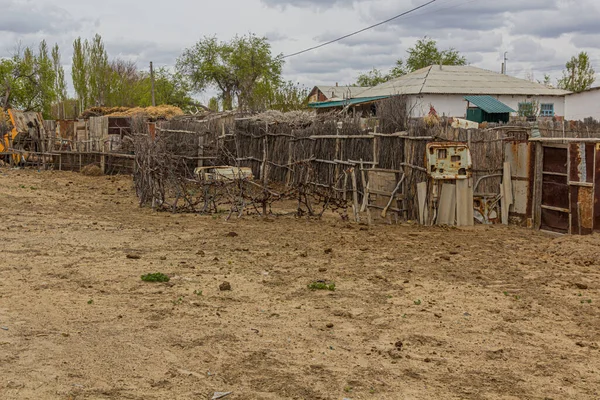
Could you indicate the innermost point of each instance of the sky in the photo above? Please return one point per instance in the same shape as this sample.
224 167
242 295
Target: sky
539 36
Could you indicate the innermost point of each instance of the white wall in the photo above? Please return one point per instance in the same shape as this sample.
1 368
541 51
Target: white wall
454 105
583 105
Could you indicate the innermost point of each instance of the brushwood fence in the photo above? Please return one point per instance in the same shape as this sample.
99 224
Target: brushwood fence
291 159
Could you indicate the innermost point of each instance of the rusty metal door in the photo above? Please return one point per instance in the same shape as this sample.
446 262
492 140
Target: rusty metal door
555 190
581 181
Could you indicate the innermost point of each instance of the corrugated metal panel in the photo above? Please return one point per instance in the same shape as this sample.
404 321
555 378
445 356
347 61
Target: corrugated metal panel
465 80
343 103
489 104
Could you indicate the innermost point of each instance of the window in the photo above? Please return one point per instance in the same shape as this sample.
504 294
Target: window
527 109
547 110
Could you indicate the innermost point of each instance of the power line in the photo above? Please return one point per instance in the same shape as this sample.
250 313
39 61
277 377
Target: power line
360 31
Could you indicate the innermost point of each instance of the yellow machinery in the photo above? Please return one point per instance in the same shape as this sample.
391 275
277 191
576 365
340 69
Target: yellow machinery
19 138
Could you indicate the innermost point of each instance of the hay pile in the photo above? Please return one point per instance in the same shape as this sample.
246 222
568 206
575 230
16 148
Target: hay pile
159 112
153 113
91 170
300 118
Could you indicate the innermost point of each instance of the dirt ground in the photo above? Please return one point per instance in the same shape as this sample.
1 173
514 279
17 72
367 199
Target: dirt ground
418 313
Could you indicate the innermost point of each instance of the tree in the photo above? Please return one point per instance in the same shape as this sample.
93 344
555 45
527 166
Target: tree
27 80
372 78
213 104
579 74
547 81
426 53
60 84
234 68
99 71
280 96
423 54
79 73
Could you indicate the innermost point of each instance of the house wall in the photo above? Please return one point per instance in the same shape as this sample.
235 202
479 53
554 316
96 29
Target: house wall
580 106
316 96
454 105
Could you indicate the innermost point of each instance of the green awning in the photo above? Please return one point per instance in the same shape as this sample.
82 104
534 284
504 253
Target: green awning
347 102
489 104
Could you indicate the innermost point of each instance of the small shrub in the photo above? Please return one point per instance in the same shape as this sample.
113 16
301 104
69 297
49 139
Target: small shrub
321 286
156 277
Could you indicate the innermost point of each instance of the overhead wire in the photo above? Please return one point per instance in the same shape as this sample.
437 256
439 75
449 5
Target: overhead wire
359 31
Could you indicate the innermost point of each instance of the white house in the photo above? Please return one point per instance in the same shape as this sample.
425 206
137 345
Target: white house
444 88
579 106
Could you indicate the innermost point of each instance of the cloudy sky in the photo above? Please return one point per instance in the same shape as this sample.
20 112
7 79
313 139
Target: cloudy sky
539 35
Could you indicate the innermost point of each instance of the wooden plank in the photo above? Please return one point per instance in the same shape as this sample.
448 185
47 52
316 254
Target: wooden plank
447 205
507 193
464 202
355 205
422 198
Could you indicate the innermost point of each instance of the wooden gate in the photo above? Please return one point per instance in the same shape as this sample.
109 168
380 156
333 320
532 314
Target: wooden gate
570 201
555 189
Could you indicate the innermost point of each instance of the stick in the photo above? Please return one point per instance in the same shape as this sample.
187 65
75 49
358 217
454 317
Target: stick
355 195
385 209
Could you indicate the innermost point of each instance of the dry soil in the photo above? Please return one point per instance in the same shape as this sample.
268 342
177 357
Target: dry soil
417 313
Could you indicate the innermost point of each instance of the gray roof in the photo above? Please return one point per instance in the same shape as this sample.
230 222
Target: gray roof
463 80
342 92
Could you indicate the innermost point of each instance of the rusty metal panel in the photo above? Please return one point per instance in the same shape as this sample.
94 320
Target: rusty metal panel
449 160
555 160
589 156
555 191
519 155
555 221
581 156
582 210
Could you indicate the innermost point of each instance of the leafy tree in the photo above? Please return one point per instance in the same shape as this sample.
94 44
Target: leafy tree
579 74
423 54
79 72
213 104
426 53
280 96
27 80
99 71
171 88
235 68
60 84
372 78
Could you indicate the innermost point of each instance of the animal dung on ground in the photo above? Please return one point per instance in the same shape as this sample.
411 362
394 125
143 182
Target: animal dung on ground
134 256
225 286
232 234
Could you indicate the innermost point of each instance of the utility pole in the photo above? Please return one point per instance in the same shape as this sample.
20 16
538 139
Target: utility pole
152 80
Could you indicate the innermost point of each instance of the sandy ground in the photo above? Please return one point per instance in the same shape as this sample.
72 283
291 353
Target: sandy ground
484 313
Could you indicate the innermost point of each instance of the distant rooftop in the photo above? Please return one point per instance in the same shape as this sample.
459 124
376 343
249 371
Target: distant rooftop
463 80
342 92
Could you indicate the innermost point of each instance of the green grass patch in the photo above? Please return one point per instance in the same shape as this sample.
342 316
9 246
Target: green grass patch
156 277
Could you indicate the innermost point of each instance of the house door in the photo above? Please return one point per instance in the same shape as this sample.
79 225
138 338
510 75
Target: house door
555 190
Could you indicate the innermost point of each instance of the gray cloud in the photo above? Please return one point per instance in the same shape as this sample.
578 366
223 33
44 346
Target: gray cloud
525 49
539 34
589 41
31 17
308 3
571 17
